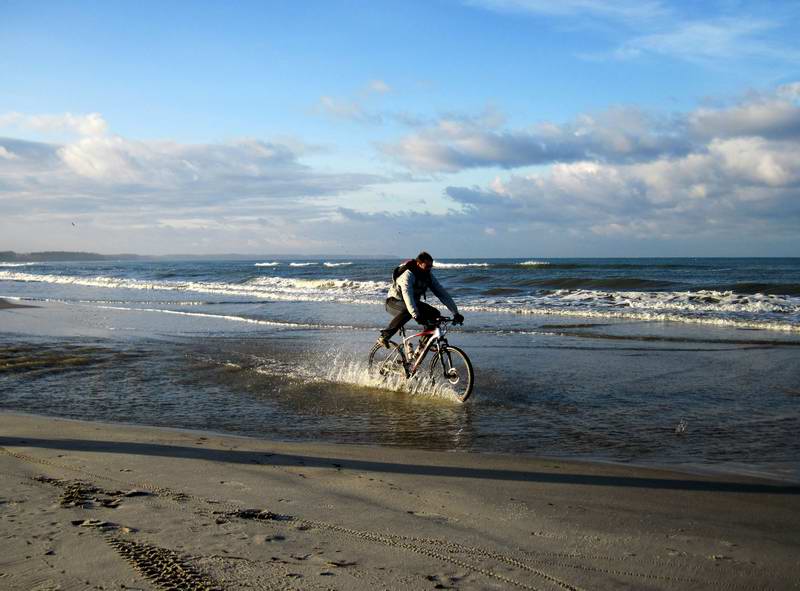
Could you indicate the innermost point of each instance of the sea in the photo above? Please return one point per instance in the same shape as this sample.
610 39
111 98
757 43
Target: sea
687 363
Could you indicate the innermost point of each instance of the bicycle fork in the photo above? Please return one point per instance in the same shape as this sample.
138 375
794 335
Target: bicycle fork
420 357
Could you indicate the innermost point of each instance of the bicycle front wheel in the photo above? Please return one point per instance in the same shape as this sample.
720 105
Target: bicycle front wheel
387 363
452 369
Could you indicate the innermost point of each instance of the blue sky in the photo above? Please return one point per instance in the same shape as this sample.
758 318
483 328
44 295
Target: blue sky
470 128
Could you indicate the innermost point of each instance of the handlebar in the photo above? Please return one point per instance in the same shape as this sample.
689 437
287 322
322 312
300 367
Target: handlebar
446 319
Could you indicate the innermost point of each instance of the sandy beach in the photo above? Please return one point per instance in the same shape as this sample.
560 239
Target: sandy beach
86 504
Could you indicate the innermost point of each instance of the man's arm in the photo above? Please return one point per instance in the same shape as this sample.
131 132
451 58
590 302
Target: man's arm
406 284
444 297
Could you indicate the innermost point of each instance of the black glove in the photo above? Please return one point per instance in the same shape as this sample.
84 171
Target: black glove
458 319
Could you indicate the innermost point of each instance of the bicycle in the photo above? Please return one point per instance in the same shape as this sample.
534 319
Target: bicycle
449 367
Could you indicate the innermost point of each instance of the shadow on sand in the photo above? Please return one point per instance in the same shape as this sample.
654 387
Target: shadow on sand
280 459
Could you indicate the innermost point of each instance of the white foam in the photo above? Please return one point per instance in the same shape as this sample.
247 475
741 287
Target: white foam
534 264
267 288
229 317
702 307
18 264
440 265
340 368
299 286
272 264
338 264
302 264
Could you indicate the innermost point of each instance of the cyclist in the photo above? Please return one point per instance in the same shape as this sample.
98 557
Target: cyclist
410 282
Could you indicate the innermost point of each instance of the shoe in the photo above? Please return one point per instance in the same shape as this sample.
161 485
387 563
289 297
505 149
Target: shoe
383 342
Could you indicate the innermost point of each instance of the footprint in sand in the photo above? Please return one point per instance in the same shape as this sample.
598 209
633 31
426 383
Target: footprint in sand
234 483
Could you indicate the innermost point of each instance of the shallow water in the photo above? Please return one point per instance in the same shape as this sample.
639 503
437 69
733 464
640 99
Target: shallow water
613 387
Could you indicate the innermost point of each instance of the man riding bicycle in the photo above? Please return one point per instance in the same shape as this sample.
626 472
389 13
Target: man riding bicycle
410 283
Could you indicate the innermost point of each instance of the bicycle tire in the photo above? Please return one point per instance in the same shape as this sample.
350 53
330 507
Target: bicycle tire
445 375
385 362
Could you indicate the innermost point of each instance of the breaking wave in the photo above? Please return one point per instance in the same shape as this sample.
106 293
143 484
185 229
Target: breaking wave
595 283
338 264
302 264
267 288
439 265
722 308
534 264
272 264
760 311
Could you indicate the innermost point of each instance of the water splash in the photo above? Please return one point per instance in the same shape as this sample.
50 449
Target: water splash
355 372
337 367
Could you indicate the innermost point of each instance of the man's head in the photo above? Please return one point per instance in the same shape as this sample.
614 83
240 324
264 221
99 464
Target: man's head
424 261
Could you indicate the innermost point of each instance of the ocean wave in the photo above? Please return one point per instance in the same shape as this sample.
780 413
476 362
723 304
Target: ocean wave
297 285
337 264
759 311
272 264
439 265
302 264
721 308
792 289
267 288
496 291
18 264
534 264
622 283
755 324
599 265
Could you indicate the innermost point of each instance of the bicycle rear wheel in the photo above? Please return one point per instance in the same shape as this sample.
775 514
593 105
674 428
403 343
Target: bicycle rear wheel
452 369
387 363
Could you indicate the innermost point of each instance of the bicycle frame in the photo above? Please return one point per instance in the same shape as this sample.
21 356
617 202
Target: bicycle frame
411 360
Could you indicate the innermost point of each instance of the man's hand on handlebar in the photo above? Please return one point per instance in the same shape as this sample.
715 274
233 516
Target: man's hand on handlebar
458 319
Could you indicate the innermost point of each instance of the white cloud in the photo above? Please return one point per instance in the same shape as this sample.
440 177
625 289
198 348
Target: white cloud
357 108
735 182
618 135
789 91
157 197
624 10
775 116
379 87
91 124
731 31
711 40
108 172
351 110
5 154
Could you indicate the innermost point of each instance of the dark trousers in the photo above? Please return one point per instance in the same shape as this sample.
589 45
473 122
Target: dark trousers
397 308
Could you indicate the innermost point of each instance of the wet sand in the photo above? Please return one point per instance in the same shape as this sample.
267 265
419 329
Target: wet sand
113 506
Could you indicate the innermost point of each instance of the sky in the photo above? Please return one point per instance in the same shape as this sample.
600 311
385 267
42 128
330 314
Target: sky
468 128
